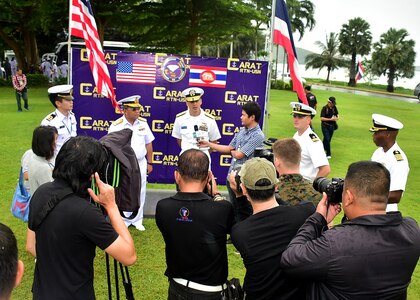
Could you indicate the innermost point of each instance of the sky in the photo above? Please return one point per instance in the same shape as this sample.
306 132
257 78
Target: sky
330 15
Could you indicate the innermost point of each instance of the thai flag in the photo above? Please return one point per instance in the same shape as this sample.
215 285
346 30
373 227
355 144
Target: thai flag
208 76
360 71
283 36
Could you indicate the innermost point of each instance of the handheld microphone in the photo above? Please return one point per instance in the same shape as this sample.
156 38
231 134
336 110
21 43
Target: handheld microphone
197 134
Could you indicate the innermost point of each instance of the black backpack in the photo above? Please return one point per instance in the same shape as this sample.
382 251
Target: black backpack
122 170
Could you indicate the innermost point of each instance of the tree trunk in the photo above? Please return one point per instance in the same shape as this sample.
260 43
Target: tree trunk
391 76
328 75
352 80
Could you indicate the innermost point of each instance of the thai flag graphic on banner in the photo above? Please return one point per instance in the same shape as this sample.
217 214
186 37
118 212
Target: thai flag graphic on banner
283 36
360 71
208 76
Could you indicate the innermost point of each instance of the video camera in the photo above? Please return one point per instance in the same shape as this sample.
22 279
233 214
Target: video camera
333 188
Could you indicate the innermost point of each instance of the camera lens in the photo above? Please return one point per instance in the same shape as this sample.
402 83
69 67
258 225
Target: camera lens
320 184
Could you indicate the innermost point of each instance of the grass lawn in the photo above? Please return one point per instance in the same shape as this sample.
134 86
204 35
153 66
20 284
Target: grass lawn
351 142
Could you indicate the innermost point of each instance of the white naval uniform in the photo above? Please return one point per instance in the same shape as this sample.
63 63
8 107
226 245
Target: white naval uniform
184 130
66 127
396 163
142 135
313 154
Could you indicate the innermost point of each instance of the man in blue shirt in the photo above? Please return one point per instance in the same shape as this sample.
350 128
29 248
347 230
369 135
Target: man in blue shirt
242 148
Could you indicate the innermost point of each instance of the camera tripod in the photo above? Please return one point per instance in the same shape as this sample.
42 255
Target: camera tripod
125 276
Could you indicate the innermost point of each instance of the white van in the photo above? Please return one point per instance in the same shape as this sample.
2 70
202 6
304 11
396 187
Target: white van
60 52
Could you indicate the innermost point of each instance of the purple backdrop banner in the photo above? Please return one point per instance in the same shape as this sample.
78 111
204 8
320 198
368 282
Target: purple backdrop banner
159 79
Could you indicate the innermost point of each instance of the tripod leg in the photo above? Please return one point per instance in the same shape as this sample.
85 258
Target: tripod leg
117 288
108 276
126 283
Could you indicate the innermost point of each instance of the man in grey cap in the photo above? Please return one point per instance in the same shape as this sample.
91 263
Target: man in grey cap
61 96
262 237
314 162
385 131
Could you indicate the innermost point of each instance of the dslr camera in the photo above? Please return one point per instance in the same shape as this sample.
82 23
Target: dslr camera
333 188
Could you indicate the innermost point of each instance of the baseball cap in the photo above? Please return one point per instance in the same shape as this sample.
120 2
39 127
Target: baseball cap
255 169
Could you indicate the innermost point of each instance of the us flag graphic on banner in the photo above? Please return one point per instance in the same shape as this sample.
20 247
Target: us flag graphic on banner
282 36
83 25
136 72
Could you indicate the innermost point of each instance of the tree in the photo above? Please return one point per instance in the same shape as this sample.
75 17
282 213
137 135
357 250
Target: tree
18 30
329 57
183 25
394 56
355 38
301 14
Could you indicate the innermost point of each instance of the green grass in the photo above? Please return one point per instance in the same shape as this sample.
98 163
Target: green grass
351 142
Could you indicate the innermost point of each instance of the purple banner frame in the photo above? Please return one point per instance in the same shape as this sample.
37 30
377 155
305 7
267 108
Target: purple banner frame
228 84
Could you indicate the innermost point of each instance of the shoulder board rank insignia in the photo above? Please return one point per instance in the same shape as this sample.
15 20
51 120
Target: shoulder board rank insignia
313 137
397 155
118 121
51 117
142 119
181 114
209 115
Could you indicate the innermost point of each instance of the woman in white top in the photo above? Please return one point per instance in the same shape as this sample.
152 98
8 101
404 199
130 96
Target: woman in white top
40 168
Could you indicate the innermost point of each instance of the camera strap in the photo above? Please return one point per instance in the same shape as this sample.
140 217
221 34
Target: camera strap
49 206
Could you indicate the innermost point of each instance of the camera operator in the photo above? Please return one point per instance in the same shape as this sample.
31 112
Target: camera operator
262 237
68 227
194 228
372 255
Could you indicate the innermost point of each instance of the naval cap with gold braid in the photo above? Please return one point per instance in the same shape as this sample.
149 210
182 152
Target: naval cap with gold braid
385 123
131 101
62 91
192 94
302 109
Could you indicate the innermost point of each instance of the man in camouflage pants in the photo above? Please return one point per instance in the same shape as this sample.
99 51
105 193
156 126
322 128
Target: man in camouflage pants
293 188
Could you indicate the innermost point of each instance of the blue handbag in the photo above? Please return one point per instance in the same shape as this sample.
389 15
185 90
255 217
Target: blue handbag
21 200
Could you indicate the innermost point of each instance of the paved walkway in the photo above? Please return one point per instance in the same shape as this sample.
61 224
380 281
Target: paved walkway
410 99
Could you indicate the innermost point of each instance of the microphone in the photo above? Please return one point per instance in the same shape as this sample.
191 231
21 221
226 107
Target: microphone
197 134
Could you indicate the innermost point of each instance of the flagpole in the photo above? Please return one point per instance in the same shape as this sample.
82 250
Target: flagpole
69 73
270 58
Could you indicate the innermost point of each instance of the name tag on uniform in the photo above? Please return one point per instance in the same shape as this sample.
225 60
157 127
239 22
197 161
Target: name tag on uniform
184 127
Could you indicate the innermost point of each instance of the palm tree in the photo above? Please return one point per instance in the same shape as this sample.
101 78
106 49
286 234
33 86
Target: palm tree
301 14
355 38
394 56
329 57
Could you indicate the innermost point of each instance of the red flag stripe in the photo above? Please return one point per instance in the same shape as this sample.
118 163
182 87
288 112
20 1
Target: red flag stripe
83 25
282 36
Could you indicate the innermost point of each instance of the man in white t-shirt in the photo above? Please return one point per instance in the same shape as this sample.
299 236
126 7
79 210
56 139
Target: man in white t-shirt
385 131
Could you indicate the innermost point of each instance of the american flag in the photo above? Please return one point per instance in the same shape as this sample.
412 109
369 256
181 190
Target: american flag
283 36
83 25
136 72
